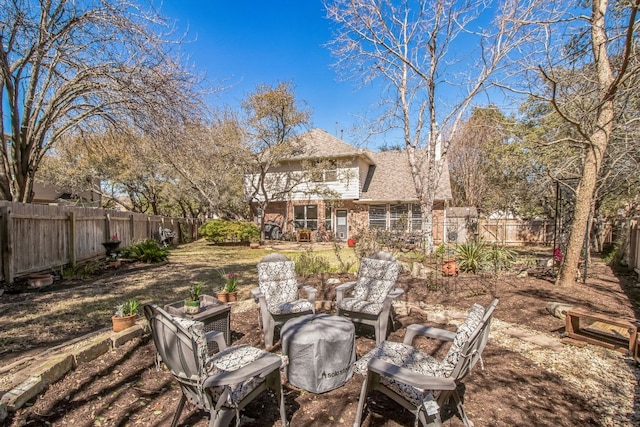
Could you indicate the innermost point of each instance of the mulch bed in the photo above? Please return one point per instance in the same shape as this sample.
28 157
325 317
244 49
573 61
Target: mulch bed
123 387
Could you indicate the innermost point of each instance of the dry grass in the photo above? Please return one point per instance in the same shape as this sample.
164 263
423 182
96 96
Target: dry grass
72 307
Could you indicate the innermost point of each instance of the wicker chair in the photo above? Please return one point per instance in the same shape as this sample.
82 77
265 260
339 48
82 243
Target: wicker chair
368 299
278 296
221 384
416 380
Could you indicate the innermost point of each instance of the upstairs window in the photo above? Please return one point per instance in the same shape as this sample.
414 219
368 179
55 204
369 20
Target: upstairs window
325 171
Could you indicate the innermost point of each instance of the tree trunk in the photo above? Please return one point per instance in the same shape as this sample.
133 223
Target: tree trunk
595 147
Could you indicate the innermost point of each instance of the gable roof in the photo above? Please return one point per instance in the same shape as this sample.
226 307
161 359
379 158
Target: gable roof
318 143
392 181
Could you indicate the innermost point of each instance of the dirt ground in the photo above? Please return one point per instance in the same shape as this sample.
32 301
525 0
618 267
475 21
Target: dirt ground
522 383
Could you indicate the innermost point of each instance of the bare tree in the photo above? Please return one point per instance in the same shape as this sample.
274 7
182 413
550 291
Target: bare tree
273 120
581 60
68 67
410 45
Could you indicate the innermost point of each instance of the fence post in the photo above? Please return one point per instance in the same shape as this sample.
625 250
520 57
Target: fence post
107 227
72 238
132 234
149 231
7 244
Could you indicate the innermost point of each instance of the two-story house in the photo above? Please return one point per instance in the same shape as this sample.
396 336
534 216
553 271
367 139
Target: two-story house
340 190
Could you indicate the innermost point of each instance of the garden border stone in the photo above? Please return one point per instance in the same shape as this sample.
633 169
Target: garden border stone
38 378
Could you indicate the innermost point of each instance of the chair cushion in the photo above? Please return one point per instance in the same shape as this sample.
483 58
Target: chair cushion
405 356
232 359
361 306
375 279
473 320
291 307
277 281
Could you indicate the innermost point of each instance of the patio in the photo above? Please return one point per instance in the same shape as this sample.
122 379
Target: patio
523 383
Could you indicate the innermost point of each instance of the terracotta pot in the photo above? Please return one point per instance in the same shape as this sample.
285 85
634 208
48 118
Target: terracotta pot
122 323
192 307
40 280
232 296
254 245
450 268
223 296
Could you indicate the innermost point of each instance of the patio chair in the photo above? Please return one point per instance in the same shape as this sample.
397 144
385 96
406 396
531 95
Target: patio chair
368 299
419 382
278 295
221 384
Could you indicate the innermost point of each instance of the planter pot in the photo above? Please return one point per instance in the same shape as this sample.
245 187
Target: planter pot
351 243
112 247
232 296
40 280
192 307
223 296
450 268
122 323
254 245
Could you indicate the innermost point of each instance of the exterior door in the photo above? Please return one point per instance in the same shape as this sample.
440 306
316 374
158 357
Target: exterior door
342 228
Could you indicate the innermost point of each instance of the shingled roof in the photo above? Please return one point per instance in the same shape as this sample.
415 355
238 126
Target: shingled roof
392 181
318 143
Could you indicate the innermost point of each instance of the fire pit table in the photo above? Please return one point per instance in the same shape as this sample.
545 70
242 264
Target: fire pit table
321 351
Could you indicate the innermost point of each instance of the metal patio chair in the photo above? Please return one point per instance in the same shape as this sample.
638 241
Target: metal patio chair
222 383
416 380
278 296
368 299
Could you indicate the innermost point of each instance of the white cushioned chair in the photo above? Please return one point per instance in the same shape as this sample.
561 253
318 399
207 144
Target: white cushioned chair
278 296
222 383
368 299
416 380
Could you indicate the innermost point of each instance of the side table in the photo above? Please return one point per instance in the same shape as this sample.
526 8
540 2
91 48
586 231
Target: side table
215 315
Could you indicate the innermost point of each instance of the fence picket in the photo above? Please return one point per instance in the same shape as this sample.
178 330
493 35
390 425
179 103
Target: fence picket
37 237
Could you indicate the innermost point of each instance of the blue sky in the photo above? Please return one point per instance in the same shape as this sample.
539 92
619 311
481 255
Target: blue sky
245 43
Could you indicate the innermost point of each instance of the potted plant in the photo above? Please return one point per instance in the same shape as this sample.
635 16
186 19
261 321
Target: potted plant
125 315
254 244
192 303
231 286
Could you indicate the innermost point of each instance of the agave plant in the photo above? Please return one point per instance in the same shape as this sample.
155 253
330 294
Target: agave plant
471 256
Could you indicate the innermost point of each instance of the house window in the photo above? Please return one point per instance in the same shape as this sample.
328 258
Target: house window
325 171
398 218
416 217
378 216
327 218
306 217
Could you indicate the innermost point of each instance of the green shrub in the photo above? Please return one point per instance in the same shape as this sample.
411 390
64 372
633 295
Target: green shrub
308 264
471 255
148 251
499 257
612 256
80 271
345 264
220 230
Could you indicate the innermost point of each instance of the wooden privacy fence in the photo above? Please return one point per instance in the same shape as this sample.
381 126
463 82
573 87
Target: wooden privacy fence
40 237
516 231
